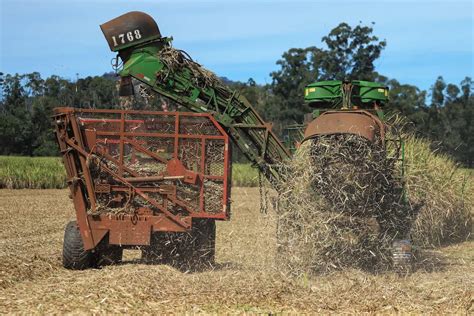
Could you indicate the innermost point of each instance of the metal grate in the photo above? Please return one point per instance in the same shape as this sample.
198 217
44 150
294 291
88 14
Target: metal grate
163 124
213 196
142 144
190 154
197 126
214 158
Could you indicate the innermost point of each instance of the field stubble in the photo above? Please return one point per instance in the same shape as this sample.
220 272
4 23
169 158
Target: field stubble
246 278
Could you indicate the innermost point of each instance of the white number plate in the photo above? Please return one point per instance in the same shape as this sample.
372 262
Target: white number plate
127 37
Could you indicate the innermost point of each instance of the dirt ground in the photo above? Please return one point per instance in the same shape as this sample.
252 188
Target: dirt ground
246 279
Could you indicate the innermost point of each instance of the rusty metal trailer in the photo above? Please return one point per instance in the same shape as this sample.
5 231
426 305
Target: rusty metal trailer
157 180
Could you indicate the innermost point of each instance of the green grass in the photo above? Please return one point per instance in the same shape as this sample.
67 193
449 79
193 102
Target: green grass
469 172
49 173
32 173
243 175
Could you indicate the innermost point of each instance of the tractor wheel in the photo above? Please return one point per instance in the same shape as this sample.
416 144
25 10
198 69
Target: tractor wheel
402 256
74 255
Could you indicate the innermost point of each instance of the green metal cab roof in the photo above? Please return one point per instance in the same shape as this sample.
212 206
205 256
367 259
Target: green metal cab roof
323 91
370 91
330 93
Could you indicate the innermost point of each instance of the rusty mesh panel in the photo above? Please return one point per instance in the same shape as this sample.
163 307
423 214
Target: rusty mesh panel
214 166
160 146
189 194
214 157
111 145
114 203
213 196
139 202
153 195
174 209
99 121
196 125
149 143
189 152
141 163
145 123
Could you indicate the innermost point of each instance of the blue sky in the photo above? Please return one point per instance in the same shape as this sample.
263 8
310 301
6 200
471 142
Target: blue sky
240 39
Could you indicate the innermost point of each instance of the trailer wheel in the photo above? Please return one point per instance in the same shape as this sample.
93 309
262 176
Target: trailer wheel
195 250
74 255
107 254
154 253
190 251
204 243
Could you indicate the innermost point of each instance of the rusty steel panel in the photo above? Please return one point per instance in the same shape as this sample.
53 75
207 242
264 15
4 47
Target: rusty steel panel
134 172
129 233
130 29
359 122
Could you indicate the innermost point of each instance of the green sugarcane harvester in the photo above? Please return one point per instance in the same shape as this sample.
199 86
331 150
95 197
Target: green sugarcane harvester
340 107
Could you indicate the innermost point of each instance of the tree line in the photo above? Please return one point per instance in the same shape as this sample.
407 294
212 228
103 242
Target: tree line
444 114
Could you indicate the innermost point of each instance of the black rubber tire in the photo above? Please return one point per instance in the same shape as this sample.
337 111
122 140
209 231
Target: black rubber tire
196 249
109 255
190 251
155 252
74 255
204 242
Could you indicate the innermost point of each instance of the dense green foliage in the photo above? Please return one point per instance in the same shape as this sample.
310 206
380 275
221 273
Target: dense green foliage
444 114
27 103
447 119
349 54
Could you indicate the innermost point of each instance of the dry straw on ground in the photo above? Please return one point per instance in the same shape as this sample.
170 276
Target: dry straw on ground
245 279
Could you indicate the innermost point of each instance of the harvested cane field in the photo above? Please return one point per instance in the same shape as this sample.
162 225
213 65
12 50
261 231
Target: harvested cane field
246 278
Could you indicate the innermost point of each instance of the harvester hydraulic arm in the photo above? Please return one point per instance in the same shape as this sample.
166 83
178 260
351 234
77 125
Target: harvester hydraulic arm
197 89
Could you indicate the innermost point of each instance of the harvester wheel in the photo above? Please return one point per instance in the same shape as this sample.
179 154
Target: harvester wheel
74 255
